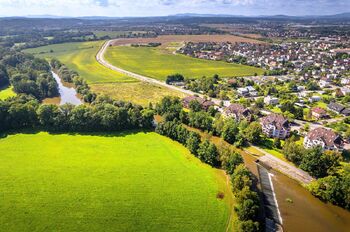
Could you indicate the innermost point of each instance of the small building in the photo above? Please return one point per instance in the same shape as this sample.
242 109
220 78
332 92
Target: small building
324 84
315 99
275 126
325 138
238 112
319 113
335 107
271 100
247 91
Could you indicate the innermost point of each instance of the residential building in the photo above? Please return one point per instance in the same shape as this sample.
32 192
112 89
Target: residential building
203 102
269 100
319 113
275 126
238 112
325 138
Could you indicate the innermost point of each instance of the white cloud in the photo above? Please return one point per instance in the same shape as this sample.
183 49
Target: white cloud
166 7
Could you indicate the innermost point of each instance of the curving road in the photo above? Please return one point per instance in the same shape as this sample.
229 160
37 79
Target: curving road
100 58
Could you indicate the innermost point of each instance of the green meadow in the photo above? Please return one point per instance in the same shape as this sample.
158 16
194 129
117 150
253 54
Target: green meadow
81 58
123 182
158 64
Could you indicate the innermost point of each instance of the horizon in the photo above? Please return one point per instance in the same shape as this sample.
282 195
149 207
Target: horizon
161 8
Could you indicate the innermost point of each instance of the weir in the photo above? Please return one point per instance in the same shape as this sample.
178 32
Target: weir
273 220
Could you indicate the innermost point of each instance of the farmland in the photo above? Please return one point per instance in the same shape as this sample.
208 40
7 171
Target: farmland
116 182
166 39
142 92
81 58
158 64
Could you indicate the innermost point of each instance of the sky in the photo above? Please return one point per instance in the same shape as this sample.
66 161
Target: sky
122 8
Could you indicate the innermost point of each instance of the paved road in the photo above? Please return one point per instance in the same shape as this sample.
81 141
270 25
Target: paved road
100 58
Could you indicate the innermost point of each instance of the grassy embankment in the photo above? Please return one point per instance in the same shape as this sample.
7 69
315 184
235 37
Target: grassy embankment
156 63
81 58
122 182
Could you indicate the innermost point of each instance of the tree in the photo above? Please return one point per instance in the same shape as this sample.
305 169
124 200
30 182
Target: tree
293 152
232 162
253 133
277 143
247 210
315 162
241 178
230 131
195 106
248 226
208 153
192 142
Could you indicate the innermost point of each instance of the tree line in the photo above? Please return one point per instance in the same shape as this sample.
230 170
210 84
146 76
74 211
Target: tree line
247 205
238 133
71 76
333 179
27 74
25 112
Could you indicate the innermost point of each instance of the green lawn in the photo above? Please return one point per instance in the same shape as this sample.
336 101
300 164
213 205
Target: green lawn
81 57
6 93
156 63
123 182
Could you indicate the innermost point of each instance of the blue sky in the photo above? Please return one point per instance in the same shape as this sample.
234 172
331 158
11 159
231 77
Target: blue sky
119 8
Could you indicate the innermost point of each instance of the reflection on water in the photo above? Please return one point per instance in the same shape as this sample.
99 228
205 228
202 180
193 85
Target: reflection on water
68 95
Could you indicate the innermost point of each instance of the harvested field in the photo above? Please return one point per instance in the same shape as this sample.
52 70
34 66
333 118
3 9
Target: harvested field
165 40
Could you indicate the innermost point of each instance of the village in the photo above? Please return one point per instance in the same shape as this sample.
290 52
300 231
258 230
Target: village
304 91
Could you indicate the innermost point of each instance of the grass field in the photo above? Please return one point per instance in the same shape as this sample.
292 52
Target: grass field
156 63
140 92
124 182
81 57
115 34
6 93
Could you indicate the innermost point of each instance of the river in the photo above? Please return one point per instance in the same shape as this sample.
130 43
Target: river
67 95
305 212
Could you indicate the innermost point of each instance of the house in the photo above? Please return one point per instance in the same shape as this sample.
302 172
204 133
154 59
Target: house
275 126
335 107
324 84
319 113
326 138
203 102
238 112
345 81
314 99
247 91
271 100
243 91
301 88
345 91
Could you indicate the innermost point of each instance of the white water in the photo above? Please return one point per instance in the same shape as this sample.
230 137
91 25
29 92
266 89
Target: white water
68 95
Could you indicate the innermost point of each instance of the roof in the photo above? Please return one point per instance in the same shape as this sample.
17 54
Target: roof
328 136
336 106
238 110
203 102
277 120
319 110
